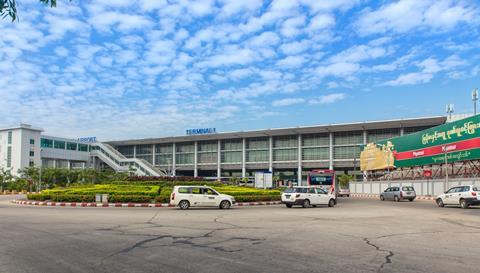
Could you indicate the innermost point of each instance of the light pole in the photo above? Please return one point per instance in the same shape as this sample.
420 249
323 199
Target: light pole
475 99
446 168
449 108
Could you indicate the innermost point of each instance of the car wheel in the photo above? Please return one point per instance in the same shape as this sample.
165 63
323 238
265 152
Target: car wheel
306 203
331 203
225 204
382 198
396 199
288 205
184 204
440 203
464 204
410 200
348 195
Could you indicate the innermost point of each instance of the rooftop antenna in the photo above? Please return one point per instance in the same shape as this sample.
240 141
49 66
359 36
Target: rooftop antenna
449 108
475 99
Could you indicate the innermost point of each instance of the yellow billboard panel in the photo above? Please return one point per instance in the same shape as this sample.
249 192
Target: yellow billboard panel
377 157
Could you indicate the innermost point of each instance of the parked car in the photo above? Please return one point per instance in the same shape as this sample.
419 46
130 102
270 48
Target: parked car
464 196
343 192
307 196
199 196
399 193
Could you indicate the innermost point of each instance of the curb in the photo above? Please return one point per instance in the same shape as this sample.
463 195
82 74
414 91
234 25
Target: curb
124 205
377 196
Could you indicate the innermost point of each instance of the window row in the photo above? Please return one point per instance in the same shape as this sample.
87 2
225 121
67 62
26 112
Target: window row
60 144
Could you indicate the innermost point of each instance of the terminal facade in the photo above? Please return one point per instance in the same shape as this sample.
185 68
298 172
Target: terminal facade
290 153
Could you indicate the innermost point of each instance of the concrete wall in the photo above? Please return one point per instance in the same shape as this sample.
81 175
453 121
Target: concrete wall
422 187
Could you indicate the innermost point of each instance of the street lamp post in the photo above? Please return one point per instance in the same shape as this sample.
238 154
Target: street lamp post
475 99
446 168
449 108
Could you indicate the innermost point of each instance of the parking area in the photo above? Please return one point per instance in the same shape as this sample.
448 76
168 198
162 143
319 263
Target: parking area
358 235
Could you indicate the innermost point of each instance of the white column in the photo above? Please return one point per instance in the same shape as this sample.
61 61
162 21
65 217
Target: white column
364 137
270 154
174 159
299 171
244 157
69 164
153 154
402 131
134 151
195 160
219 159
330 163
54 163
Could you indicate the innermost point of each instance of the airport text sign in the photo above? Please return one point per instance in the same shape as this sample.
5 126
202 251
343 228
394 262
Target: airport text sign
450 142
201 131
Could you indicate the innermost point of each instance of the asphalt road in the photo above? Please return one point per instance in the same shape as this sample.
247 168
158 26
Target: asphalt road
356 236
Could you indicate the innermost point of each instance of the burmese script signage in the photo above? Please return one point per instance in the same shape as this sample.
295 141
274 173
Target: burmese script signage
454 141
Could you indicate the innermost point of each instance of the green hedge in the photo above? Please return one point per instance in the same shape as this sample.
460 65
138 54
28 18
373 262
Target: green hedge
141 193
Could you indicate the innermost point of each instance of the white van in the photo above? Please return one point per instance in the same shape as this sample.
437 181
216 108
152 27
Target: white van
199 196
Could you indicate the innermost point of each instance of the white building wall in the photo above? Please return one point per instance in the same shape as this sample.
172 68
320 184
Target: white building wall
21 147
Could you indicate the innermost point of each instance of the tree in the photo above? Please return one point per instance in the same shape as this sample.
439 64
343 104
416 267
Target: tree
344 180
8 8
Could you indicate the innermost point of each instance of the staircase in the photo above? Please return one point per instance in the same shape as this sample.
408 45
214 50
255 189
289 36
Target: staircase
120 163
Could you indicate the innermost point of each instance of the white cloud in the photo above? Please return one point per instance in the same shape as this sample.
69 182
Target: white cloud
291 62
405 15
411 78
341 70
321 21
287 102
293 26
329 99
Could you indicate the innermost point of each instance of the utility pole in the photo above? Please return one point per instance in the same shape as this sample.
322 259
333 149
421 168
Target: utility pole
449 108
475 99
446 168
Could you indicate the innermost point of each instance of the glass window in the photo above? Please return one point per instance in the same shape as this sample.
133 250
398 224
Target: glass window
382 134
346 152
321 191
311 190
144 149
184 158
408 189
207 157
185 147
196 190
71 146
285 154
184 190
46 143
345 138
315 140
32 153
452 190
289 190
257 156
164 148
127 151
285 142
231 145
31 163
163 159
9 137
83 147
475 189
257 143
232 157
9 157
209 191
59 144
319 153
210 146
32 141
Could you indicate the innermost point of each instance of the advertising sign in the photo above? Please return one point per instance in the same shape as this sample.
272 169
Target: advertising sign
263 180
454 141
201 131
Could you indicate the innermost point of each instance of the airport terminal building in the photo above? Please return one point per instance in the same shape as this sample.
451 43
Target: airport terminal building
290 153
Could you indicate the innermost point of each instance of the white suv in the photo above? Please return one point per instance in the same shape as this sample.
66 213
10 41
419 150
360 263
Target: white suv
199 196
464 196
306 196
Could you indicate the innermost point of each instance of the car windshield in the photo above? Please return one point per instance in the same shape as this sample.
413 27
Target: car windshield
289 190
407 188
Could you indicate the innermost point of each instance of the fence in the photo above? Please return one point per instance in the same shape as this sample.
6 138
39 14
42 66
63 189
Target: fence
422 187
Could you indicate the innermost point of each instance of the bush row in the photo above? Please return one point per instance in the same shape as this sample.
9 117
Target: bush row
164 178
90 198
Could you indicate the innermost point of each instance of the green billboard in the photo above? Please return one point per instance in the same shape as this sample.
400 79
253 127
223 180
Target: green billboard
450 142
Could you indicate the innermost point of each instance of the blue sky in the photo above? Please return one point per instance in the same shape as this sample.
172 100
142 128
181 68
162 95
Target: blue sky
118 70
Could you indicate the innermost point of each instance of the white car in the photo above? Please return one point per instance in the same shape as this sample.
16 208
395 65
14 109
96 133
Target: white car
343 192
464 196
199 196
307 196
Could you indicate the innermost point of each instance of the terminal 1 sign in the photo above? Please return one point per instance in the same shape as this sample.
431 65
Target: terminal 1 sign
201 131
450 142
